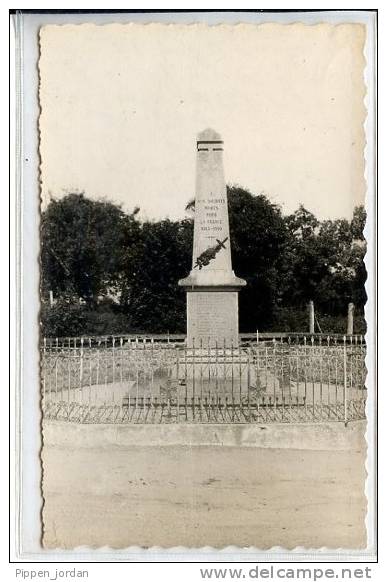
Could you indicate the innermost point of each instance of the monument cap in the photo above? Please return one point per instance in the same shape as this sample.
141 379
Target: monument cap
209 136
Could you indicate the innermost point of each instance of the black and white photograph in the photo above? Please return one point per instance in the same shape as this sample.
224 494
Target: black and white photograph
203 328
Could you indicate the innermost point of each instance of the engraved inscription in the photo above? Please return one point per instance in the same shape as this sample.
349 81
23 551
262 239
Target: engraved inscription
212 222
213 316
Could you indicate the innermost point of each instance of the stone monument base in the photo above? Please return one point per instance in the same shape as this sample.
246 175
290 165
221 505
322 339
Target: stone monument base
212 317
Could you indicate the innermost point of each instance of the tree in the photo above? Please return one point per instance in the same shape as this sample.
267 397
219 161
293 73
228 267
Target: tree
258 238
324 261
82 247
302 266
153 265
358 223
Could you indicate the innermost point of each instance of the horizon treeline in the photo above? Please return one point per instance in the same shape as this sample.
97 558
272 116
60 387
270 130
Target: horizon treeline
104 271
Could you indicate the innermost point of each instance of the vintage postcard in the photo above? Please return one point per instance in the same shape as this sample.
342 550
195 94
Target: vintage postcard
203 323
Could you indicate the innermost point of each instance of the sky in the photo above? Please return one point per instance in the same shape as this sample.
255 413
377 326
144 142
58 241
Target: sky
121 106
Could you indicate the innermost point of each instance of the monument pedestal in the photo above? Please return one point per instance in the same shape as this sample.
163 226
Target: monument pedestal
212 317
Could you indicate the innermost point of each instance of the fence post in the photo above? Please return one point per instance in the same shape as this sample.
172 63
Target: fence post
311 317
351 309
44 372
80 373
345 381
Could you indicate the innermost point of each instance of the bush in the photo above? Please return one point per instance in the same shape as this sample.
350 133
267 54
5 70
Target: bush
297 320
63 319
69 320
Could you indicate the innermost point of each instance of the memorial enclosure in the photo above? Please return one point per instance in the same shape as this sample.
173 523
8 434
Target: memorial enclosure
213 373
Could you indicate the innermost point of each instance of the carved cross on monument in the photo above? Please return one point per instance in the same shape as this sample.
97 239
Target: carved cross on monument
212 287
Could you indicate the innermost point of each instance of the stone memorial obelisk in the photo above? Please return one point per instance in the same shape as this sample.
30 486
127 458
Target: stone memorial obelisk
212 287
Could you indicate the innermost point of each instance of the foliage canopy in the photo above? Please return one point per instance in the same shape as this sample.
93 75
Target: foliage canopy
110 272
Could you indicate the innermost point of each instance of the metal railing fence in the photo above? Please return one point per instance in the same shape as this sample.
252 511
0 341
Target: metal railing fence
132 380
255 337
